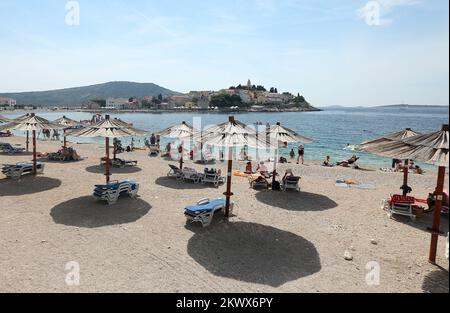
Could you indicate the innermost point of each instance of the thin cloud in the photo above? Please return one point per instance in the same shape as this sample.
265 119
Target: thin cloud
376 12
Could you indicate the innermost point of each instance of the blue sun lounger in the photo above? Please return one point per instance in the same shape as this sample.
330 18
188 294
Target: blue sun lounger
204 211
8 148
112 191
15 171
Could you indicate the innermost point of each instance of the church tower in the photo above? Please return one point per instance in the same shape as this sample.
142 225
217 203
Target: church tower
249 85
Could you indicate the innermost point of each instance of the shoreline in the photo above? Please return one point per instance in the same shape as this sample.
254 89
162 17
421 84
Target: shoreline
364 167
164 111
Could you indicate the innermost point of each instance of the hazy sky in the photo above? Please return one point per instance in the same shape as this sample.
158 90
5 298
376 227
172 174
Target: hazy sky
332 51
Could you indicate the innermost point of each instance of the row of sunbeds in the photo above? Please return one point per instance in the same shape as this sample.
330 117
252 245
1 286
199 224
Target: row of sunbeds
208 176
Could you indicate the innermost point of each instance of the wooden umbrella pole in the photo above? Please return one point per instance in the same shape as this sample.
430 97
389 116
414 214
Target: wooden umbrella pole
275 168
115 149
28 141
437 214
34 154
229 194
405 178
65 139
107 166
181 161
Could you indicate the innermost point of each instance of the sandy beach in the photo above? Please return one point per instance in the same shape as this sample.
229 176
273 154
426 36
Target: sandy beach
276 242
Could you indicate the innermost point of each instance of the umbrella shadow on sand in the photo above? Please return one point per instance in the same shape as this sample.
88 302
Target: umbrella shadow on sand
296 201
173 183
423 222
97 169
87 212
253 253
436 282
27 185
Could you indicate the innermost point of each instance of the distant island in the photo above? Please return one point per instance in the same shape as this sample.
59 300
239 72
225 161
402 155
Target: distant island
131 96
394 106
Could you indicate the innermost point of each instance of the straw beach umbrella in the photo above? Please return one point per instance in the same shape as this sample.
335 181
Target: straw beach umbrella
32 123
376 147
20 119
278 133
108 128
230 135
431 149
181 131
67 123
4 120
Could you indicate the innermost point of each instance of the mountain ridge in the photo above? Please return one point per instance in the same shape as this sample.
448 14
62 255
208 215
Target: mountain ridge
74 96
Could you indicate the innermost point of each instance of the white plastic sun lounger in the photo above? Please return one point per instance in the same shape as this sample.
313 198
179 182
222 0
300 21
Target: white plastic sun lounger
212 177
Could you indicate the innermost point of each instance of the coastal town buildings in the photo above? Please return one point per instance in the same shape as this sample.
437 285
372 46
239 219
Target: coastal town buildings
8 103
117 103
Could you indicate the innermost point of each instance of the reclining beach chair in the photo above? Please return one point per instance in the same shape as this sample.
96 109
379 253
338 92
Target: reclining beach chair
119 163
154 150
8 148
399 205
18 170
204 211
6 134
123 163
206 158
174 172
191 175
258 182
291 182
212 177
112 191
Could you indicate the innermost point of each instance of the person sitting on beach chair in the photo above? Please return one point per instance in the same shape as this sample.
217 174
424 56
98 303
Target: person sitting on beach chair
249 168
347 163
290 181
262 169
431 201
258 182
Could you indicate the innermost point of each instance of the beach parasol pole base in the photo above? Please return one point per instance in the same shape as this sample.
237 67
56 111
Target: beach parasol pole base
34 154
437 215
28 141
107 166
229 194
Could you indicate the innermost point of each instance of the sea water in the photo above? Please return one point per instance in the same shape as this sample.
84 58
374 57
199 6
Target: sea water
332 129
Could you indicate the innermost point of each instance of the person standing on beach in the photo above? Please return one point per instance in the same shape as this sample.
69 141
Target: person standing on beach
301 154
292 154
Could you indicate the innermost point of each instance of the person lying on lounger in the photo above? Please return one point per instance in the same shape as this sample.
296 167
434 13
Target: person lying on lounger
347 163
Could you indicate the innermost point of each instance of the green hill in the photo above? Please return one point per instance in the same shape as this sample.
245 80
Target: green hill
75 96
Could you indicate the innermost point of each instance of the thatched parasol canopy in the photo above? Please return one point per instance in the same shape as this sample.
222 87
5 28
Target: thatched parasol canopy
108 128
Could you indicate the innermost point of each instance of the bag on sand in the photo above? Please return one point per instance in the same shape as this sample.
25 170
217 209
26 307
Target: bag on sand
276 186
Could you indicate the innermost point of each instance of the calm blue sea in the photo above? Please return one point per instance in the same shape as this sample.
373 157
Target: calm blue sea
331 129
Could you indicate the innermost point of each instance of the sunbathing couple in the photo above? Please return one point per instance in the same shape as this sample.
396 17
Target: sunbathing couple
344 163
416 169
260 169
65 154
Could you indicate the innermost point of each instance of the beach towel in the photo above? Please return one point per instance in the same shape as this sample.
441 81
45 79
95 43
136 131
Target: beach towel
342 183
